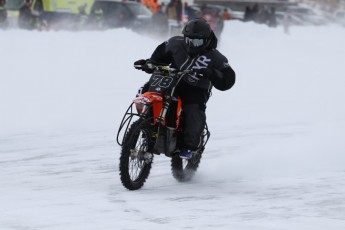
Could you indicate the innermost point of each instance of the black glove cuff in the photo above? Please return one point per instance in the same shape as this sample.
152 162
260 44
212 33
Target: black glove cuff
206 73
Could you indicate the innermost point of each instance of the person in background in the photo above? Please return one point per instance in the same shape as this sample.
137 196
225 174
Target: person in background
171 10
3 15
226 15
179 11
99 19
254 12
154 6
263 15
210 17
272 20
247 14
82 15
150 4
215 20
160 23
190 13
95 20
26 17
196 50
286 23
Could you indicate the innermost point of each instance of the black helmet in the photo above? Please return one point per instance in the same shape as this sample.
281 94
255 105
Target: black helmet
197 28
197 33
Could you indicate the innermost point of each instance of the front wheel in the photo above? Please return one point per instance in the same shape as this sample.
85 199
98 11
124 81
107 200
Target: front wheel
135 161
183 170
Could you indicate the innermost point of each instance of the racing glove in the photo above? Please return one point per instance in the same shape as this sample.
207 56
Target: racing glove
206 73
144 65
221 80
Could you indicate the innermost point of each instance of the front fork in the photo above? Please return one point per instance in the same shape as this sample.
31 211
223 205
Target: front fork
164 111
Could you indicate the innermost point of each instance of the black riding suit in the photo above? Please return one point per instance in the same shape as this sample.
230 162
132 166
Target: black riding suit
195 91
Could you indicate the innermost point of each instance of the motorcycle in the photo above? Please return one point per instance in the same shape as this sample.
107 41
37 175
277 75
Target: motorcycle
152 125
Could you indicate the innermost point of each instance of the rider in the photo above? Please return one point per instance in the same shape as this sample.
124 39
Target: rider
195 50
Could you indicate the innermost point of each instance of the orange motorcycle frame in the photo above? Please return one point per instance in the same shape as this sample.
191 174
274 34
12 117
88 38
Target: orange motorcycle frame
155 101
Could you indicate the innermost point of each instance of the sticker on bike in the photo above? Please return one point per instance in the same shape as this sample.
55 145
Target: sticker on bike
162 81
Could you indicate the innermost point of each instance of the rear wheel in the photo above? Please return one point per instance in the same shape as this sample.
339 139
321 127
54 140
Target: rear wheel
183 170
135 161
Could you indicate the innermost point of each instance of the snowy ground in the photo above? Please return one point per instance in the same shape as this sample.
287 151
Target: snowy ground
275 160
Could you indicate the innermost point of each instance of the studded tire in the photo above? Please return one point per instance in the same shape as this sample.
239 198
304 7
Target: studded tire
134 170
183 170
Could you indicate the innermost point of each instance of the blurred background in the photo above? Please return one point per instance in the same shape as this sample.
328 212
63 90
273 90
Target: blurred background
165 17
275 160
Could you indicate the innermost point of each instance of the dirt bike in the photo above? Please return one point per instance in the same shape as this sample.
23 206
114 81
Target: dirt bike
153 124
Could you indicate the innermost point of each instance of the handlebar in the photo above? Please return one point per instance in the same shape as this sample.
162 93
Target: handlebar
164 68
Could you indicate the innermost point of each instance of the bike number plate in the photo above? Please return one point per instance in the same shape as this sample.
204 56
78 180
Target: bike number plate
161 83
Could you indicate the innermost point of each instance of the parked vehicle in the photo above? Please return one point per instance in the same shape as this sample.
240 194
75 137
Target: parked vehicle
307 14
115 14
62 14
290 19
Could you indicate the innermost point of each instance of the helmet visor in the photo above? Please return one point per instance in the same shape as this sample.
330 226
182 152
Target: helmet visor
195 42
